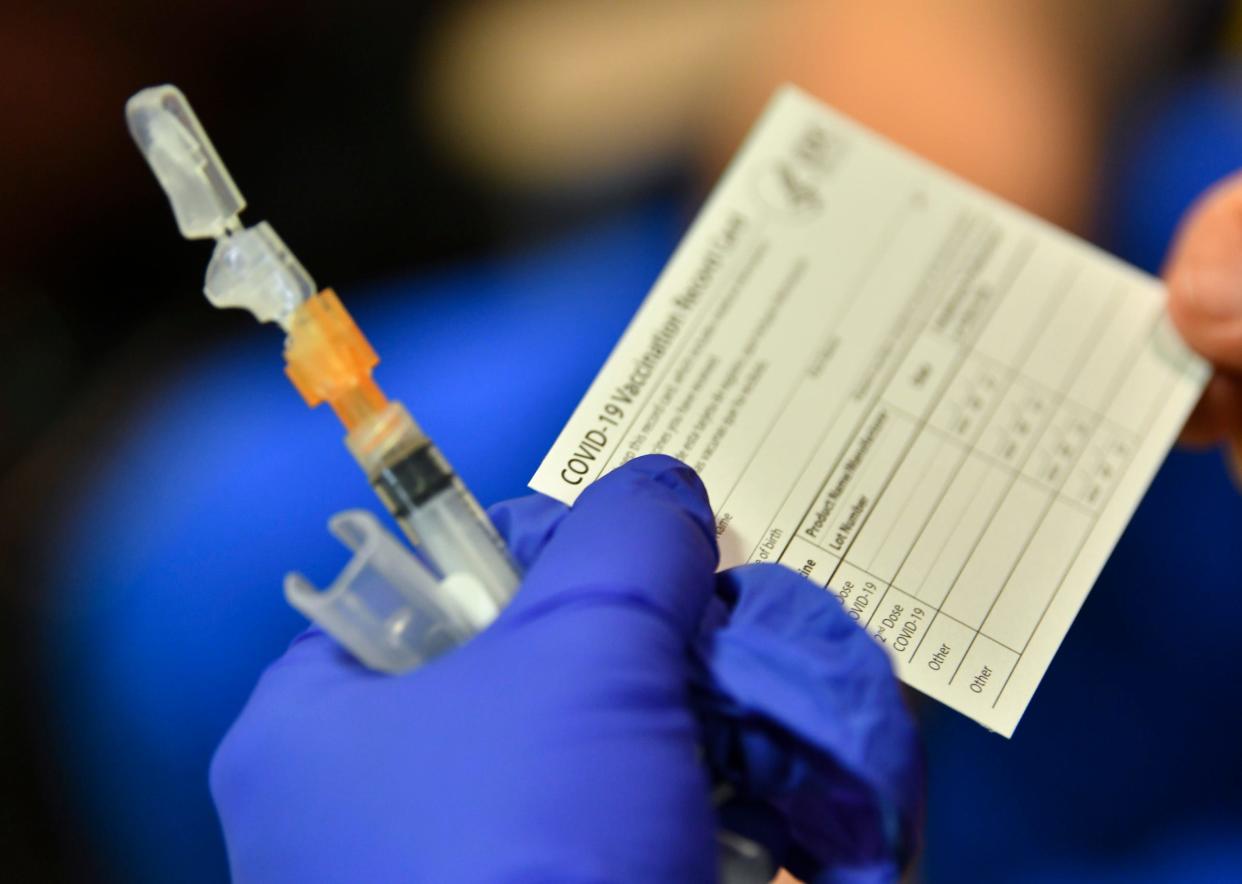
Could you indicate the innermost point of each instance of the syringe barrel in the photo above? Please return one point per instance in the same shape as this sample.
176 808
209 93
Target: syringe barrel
456 533
431 503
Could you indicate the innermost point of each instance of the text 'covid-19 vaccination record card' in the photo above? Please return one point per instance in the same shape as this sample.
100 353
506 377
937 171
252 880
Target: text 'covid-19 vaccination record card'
937 407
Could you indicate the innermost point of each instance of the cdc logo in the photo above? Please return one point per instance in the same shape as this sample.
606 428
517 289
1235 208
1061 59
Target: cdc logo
793 184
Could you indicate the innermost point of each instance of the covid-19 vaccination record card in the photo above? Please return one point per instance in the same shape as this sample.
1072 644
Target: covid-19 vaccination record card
937 407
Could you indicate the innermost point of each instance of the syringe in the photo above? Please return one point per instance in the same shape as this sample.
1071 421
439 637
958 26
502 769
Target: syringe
326 356
394 617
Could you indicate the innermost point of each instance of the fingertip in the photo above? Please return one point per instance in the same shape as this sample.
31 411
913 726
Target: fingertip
657 475
1198 304
645 529
1204 275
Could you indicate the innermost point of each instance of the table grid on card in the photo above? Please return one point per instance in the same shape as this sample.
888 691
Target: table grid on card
904 389
970 507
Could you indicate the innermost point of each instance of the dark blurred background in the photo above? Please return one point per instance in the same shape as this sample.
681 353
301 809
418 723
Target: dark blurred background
493 186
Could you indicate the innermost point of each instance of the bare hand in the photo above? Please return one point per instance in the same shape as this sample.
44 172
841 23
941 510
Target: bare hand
1204 276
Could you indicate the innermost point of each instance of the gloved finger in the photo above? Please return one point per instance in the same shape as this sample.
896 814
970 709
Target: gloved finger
527 523
804 712
644 531
1204 276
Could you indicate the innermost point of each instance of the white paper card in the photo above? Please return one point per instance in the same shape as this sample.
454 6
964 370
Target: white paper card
904 388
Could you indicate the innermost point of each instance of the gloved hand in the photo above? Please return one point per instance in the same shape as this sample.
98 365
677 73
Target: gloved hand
563 742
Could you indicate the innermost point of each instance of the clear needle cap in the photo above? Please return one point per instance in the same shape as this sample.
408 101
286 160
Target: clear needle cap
251 267
203 195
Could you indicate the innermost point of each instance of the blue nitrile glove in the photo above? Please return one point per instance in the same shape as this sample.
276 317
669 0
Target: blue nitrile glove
563 743
802 715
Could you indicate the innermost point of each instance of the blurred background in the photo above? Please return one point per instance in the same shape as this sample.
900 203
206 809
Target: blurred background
493 186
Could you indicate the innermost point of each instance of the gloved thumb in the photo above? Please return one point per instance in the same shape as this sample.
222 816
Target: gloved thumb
644 532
